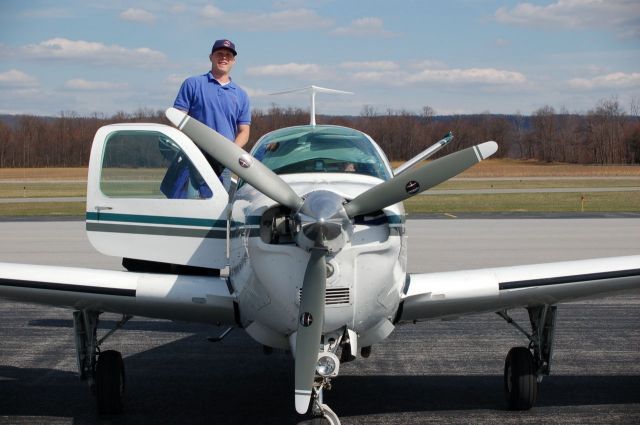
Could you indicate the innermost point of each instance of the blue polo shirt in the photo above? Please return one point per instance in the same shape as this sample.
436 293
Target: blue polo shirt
220 107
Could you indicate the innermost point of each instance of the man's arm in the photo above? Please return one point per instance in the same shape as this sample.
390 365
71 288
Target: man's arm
242 136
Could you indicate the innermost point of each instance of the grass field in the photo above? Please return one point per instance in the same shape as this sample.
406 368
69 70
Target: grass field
493 174
527 202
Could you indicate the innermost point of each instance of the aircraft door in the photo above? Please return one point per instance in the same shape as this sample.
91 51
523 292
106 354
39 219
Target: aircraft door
152 195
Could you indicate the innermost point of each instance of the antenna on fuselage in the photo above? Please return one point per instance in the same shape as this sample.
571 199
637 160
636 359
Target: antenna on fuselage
313 90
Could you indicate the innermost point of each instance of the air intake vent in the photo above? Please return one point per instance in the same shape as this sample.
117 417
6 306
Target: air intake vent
337 296
334 296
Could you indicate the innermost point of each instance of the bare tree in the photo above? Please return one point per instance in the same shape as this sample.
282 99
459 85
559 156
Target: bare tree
605 131
605 135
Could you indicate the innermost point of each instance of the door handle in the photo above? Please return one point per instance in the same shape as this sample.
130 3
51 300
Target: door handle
100 208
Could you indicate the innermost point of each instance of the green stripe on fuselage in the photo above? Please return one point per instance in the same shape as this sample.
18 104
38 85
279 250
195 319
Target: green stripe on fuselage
155 219
156 225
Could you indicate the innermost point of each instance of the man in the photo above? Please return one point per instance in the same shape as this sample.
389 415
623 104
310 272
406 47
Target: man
215 100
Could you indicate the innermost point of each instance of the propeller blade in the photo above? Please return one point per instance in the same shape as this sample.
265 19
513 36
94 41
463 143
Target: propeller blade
310 323
414 181
236 159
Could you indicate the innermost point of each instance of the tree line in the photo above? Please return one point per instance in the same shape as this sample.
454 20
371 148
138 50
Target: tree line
607 134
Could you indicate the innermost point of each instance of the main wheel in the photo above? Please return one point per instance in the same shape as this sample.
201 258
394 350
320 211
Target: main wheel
109 385
520 380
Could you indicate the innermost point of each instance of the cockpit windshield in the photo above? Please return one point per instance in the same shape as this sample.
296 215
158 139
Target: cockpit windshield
316 149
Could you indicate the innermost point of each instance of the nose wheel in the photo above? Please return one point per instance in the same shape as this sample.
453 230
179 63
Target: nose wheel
328 417
322 413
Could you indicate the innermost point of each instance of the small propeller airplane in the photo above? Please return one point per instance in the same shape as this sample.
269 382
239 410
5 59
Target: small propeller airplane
313 240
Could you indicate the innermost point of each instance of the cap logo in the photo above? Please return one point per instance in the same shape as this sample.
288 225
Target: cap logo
227 43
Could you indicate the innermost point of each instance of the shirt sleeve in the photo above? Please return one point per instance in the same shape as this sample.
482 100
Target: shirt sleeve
183 99
245 111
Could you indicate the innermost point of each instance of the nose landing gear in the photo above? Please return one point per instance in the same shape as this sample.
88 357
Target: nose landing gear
322 413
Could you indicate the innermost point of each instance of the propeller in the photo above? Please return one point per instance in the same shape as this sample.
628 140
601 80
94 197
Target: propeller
310 324
322 222
414 181
236 159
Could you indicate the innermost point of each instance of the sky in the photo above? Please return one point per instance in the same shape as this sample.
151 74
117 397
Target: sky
455 56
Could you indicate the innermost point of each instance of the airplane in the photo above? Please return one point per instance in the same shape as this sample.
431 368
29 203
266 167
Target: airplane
313 247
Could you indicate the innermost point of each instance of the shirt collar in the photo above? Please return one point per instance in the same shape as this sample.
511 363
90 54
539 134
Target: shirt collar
212 79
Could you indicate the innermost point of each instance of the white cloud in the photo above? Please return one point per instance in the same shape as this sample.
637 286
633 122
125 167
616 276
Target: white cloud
394 74
175 80
378 77
177 8
253 93
374 65
138 15
94 53
211 12
364 27
608 81
481 76
284 20
14 78
286 70
620 16
428 64
85 85
468 76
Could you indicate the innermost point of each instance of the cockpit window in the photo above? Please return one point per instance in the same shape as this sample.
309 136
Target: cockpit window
315 149
148 164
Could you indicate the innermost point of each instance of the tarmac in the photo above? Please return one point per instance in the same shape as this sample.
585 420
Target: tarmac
442 372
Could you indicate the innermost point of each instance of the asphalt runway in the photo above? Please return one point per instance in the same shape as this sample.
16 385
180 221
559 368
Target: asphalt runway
433 372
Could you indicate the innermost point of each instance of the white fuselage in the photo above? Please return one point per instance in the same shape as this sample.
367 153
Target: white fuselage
364 279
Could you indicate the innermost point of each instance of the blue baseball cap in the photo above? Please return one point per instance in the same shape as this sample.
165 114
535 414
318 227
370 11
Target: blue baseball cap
224 44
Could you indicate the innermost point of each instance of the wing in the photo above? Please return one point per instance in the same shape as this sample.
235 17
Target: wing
452 294
165 296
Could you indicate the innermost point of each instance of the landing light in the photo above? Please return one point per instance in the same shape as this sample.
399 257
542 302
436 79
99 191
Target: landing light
328 365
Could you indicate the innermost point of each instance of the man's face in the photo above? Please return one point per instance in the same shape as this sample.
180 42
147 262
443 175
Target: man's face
222 60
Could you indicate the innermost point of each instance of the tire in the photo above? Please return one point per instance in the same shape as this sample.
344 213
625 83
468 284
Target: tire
520 380
109 382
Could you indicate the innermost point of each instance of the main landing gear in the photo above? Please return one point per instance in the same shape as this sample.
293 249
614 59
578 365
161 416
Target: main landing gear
104 371
525 367
322 413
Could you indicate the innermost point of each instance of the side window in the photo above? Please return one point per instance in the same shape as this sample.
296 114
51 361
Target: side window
148 164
